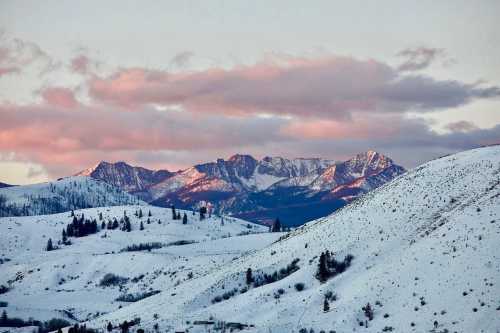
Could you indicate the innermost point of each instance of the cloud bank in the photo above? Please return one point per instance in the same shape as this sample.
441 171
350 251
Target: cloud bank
330 106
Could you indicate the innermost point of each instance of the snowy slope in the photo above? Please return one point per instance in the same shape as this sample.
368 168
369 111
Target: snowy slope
61 195
425 250
45 284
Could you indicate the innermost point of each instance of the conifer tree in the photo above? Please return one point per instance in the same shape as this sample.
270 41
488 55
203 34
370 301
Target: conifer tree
249 276
64 236
49 245
326 305
4 317
203 211
109 327
323 273
367 309
142 226
276 225
174 214
140 213
185 219
149 214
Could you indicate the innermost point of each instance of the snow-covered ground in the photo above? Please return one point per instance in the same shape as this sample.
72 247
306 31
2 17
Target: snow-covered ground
426 258
425 246
45 284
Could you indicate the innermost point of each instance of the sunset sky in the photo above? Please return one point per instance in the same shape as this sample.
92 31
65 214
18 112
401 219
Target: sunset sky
167 84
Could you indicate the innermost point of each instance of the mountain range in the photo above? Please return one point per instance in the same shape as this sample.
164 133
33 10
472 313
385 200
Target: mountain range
295 190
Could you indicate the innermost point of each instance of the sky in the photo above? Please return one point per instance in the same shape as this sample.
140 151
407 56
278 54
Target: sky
168 84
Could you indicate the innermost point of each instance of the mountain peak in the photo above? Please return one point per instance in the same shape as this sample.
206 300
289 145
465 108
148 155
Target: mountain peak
241 157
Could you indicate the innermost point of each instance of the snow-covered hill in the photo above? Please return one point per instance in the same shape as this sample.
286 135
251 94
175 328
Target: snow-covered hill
64 283
425 257
61 195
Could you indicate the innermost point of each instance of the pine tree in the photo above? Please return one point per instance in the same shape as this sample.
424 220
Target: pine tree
142 226
72 213
149 214
64 237
367 309
109 327
326 305
49 245
124 327
185 219
249 276
140 213
276 225
100 216
128 226
323 273
174 214
203 211
4 318
178 215
103 225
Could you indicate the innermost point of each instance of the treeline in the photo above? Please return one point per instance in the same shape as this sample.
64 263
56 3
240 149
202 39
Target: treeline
142 247
80 227
54 324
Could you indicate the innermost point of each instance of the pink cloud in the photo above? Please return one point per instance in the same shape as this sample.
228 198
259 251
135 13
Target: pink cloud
9 70
60 97
80 64
360 128
331 87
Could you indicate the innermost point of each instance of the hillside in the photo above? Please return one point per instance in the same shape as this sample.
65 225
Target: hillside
64 283
425 256
61 195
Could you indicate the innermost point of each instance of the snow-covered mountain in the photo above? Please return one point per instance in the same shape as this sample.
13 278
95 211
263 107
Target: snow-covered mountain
424 253
61 195
128 178
297 190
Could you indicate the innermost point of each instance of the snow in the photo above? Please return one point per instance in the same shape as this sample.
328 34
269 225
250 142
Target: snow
425 250
35 274
425 238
